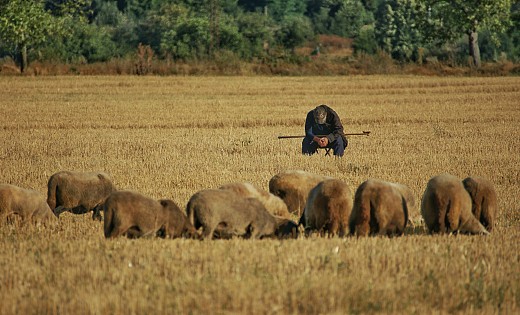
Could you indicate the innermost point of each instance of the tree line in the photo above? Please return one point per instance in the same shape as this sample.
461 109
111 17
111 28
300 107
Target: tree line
87 31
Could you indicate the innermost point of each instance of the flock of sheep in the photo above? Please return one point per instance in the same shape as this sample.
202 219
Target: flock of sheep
324 205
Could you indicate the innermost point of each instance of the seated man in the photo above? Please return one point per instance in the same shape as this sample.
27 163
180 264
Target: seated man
323 129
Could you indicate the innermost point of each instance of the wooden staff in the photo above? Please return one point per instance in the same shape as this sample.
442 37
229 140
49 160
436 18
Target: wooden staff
364 133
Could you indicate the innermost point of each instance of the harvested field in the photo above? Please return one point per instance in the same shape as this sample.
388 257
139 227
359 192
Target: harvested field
168 137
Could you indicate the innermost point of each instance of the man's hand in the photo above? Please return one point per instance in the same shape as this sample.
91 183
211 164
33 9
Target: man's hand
323 142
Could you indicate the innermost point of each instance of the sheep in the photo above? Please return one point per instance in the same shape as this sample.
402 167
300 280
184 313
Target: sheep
134 215
484 200
272 203
380 207
79 192
446 207
224 214
406 192
29 204
294 187
328 208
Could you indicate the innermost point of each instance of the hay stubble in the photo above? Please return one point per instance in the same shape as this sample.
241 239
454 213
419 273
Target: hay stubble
169 137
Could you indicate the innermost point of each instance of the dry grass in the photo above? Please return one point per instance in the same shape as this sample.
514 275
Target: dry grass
169 137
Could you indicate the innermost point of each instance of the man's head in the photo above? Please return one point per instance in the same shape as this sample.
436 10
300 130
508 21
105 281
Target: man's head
320 114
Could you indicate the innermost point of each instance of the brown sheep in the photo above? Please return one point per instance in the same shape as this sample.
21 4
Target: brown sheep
328 208
446 207
272 203
26 203
79 192
410 200
484 200
380 207
407 194
224 214
294 187
134 215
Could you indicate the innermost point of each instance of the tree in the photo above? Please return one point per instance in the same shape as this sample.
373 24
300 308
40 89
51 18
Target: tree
512 38
446 20
136 8
24 24
253 5
366 40
407 39
280 10
385 27
339 17
256 30
294 30
396 29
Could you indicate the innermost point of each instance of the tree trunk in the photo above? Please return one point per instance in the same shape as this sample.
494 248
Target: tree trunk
474 50
23 58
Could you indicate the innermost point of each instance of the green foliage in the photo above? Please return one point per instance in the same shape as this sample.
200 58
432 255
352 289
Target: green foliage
371 5
506 49
97 44
190 40
108 14
252 5
349 18
339 17
125 36
30 24
366 41
294 31
136 8
25 23
397 29
119 28
87 30
279 10
385 27
87 43
159 28
255 30
510 41
75 9
448 20
229 36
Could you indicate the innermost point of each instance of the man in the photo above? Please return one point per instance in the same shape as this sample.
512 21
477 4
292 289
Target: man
323 129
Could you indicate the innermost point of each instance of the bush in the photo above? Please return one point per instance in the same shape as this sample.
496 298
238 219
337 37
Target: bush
294 31
366 41
87 43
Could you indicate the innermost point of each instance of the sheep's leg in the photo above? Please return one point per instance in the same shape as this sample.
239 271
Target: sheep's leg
96 213
207 232
253 232
59 210
333 229
149 234
133 232
120 230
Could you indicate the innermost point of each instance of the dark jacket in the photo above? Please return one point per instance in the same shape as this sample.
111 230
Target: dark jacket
332 128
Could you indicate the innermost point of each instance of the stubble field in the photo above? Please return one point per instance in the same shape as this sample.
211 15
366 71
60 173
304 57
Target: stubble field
169 137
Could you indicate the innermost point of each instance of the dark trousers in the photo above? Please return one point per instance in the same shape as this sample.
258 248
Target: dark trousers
310 147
